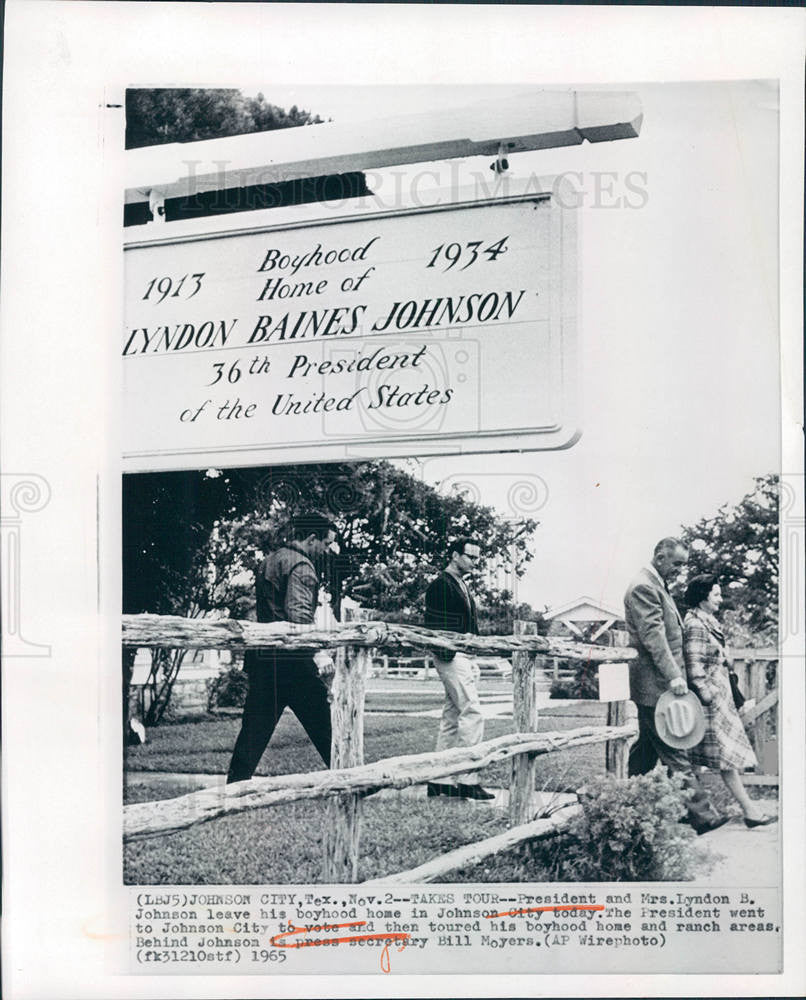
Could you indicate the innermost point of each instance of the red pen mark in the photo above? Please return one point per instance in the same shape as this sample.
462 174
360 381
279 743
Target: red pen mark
386 964
543 909
388 937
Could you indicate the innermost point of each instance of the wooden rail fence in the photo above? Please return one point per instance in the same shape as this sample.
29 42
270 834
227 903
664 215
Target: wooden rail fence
349 778
757 670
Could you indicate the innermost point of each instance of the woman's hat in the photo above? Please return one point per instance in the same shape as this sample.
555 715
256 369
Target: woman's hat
679 720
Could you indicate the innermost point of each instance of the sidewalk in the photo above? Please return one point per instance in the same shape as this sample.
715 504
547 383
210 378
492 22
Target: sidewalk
740 857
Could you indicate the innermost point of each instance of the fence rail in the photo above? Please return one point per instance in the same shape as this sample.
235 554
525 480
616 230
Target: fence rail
344 786
757 671
471 854
228 633
169 815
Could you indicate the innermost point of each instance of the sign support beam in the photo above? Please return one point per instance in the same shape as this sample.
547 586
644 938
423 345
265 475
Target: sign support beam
536 119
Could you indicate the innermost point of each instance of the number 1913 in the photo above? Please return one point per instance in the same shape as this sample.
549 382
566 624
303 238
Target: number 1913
163 287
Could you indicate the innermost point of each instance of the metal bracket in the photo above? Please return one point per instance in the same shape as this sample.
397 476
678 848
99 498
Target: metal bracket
500 164
156 205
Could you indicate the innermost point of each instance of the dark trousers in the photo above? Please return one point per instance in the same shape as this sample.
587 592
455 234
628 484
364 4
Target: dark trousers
649 748
277 682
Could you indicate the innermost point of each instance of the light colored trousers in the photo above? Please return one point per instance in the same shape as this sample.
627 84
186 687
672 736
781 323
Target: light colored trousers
462 724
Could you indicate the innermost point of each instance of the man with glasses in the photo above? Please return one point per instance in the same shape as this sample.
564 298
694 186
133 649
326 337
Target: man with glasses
449 606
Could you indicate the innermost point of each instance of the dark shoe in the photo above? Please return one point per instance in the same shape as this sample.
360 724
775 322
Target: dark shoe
701 828
450 790
764 821
475 792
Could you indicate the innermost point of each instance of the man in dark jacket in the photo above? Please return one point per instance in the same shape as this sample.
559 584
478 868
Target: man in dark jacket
449 605
287 587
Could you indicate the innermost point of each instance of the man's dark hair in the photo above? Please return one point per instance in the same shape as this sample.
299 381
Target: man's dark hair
668 545
458 545
699 588
311 524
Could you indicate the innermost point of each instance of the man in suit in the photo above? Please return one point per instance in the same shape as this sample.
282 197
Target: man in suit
656 632
287 589
449 605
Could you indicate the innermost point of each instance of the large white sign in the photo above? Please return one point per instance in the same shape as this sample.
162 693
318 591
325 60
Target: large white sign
443 329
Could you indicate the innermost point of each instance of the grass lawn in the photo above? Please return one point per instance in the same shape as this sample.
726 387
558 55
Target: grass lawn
403 701
204 747
282 844
418 698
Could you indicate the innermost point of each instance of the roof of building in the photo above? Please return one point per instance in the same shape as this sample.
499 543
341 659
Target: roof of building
583 609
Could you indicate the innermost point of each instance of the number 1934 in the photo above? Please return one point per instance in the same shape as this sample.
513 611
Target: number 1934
451 253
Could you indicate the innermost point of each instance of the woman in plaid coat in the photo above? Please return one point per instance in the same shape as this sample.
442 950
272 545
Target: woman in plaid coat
724 746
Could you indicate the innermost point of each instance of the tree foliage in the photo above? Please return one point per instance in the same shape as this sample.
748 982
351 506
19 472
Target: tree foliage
192 539
739 545
180 114
500 609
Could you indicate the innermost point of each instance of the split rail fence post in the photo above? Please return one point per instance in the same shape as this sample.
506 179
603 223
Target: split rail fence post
343 813
617 751
524 711
747 671
128 657
757 689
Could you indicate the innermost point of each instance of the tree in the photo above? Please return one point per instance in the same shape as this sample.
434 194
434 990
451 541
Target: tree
739 545
499 612
263 116
191 541
189 537
162 115
181 114
173 562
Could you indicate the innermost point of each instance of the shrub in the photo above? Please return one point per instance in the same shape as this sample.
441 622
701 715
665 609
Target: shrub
629 831
562 689
228 690
584 684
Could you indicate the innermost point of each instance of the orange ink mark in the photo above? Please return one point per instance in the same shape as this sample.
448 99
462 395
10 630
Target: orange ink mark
544 909
99 935
386 963
313 942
